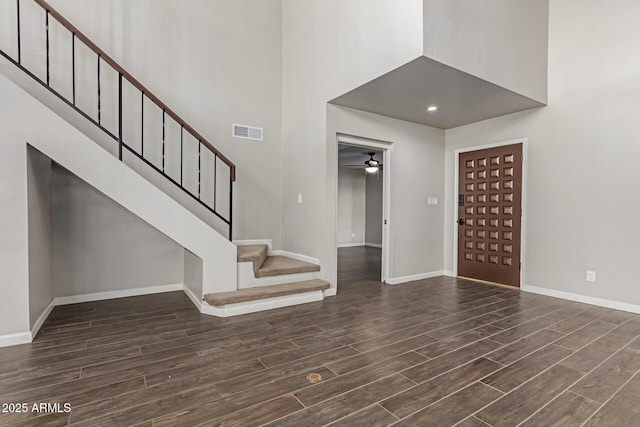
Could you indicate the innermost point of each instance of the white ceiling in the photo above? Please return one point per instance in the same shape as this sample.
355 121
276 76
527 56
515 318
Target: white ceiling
405 93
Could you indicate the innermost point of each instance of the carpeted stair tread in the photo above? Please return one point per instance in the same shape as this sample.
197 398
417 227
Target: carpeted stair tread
278 265
262 292
253 253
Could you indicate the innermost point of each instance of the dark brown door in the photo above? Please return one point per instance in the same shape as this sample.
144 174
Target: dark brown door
489 214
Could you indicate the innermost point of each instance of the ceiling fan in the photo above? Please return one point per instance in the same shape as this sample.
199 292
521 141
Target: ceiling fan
370 166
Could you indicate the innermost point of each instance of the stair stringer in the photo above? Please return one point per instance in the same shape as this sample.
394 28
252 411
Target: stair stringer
66 145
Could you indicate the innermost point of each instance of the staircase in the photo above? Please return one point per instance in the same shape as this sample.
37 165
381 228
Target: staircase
268 281
162 170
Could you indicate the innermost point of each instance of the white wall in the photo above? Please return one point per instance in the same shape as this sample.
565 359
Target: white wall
99 246
193 274
213 63
329 48
351 206
40 195
373 217
417 172
502 41
583 155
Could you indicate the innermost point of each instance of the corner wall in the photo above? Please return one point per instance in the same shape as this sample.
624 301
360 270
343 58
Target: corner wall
501 41
374 192
583 157
40 236
329 48
351 207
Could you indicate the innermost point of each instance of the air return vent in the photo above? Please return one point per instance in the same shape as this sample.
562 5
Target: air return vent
247 132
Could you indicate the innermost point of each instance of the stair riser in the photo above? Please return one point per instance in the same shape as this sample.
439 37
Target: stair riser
247 279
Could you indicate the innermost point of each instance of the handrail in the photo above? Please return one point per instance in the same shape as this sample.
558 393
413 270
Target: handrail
117 67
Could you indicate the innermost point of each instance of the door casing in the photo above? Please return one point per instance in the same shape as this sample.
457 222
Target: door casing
387 153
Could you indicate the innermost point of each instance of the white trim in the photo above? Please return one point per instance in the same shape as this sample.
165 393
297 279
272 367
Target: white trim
194 299
15 339
616 305
413 278
99 296
374 245
262 304
350 245
387 159
267 242
43 317
448 273
331 292
299 257
523 202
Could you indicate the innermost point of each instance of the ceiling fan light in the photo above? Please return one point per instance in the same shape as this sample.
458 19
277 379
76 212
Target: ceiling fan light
371 169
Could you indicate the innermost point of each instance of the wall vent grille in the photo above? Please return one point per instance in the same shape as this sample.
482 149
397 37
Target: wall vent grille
247 132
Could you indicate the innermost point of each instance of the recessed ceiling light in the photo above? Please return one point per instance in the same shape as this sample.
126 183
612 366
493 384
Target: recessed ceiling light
432 108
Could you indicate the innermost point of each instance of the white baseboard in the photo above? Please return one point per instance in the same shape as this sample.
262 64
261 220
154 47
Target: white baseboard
350 245
194 299
616 305
448 273
267 242
262 304
99 296
331 292
299 257
15 339
374 245
42 318
27 337
413 278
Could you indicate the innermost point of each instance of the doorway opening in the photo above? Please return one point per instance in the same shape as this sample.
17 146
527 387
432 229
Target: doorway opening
362 210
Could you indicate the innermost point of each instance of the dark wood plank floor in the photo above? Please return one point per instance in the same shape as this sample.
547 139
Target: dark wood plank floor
437 352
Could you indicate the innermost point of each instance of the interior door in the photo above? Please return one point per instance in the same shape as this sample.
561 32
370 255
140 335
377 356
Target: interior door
490 214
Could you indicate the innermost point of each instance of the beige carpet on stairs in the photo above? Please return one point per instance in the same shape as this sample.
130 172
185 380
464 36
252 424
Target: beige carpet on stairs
262 292
277 265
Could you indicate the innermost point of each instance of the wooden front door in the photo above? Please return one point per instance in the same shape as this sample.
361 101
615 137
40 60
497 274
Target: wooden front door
489 214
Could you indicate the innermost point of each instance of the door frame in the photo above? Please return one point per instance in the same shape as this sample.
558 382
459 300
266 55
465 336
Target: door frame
387 155
523 219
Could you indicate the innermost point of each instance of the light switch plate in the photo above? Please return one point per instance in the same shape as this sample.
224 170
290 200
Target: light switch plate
432 201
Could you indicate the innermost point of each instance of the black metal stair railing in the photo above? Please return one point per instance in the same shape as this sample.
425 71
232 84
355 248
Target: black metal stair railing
199 187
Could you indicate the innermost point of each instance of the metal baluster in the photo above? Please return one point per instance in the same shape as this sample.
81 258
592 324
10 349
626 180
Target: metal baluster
98 88
163 138
181 151
19 44
199 163
120 116
230 205
73 66
47 33
142 124
215 180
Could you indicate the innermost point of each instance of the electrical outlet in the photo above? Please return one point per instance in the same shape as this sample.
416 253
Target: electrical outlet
591 276
353 235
